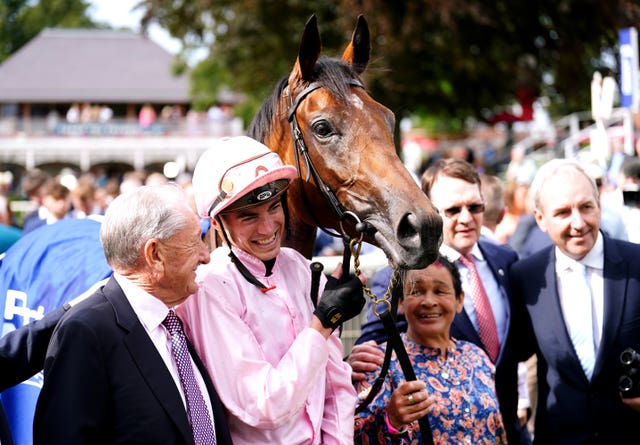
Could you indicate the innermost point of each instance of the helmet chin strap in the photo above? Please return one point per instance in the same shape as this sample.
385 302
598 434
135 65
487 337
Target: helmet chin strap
241 267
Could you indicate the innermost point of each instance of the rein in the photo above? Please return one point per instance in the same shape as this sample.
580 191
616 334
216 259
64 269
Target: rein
354 245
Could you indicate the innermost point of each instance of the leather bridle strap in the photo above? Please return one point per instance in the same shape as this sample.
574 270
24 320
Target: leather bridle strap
300 149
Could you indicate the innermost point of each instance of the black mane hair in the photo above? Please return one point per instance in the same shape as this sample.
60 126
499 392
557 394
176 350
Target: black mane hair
334 74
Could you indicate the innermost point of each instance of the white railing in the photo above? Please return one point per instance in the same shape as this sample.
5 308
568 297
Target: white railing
577 129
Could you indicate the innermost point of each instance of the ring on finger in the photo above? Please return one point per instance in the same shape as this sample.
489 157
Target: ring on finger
411 399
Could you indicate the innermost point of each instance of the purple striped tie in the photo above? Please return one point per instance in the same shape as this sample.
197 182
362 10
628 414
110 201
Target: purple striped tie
197 412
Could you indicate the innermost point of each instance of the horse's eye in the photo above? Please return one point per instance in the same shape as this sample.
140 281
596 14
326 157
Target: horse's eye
322 128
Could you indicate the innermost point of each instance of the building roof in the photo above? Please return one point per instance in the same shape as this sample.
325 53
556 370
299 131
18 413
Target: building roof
92 65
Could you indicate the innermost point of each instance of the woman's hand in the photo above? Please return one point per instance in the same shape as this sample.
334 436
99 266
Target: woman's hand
409 401
365 357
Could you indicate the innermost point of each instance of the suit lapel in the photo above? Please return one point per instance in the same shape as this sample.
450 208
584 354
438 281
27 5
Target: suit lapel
146 357
551 311
615 283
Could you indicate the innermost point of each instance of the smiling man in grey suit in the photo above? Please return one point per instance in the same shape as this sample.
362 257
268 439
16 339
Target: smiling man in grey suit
582 300
110 375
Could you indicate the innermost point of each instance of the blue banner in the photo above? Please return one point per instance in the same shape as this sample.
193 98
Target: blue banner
43 270
629 68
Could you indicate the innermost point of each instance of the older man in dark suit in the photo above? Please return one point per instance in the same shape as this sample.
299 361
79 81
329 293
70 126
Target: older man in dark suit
582 300
118 367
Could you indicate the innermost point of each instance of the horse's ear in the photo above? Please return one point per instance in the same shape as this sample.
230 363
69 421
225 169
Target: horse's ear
310 47
358 51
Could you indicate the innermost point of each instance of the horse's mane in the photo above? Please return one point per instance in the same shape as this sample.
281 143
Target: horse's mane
334 74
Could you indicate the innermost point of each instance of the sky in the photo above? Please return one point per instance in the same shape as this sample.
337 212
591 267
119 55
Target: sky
118 13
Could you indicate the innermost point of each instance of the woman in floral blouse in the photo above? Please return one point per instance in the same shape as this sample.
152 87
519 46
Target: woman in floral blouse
455 385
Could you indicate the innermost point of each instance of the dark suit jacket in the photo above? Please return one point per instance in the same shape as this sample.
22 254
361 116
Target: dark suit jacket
106 383
571 410
22 355
499 259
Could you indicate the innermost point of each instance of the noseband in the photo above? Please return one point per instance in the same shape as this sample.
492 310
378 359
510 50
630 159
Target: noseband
300 149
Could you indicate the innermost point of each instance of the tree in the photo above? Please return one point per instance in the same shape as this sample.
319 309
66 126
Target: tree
450 60
22 20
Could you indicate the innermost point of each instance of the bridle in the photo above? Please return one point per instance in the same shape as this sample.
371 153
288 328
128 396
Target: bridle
301 151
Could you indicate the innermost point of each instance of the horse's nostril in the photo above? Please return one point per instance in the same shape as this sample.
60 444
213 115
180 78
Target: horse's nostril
406 230
415 233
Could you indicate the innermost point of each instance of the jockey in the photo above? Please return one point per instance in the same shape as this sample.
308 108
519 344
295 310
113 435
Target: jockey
275 361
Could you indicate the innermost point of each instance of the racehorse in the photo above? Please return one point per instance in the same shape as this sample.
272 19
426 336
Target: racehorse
321 120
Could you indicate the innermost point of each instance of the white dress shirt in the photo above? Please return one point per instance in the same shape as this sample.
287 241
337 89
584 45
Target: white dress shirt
594 263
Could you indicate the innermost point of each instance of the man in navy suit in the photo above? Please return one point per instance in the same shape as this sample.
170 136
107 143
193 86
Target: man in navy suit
454 188
581 299
109 373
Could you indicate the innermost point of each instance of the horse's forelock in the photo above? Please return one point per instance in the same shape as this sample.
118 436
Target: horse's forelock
332 73
335 75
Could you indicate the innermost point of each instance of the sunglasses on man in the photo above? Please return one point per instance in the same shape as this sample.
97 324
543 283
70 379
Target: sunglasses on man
472 208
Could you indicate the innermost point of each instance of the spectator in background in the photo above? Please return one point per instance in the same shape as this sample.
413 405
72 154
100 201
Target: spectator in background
105 114
86 113
6 216
494 207
155 178
56 204
625 198
73 114
83 198
515 196
32 186
146 116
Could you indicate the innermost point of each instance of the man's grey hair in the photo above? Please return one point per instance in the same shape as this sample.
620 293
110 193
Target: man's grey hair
552 168
137 216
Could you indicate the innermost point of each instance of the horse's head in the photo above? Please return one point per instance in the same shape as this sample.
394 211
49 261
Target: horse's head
349 140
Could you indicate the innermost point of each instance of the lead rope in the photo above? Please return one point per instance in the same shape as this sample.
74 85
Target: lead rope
394 341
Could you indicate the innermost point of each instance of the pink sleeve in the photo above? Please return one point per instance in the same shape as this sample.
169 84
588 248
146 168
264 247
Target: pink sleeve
259 394
340 398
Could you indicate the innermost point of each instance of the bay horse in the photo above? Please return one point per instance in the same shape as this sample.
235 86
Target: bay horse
321 120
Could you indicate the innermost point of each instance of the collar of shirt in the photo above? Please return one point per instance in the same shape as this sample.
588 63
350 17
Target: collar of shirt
148 308
453 255
594 259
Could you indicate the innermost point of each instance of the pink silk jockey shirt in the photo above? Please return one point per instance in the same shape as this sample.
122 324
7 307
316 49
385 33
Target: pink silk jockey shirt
281 381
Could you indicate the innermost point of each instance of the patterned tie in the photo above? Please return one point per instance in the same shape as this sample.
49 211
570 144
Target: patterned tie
486 321
579 316
197 412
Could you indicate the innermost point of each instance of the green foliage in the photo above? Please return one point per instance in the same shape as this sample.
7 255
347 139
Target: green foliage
446 60
22 20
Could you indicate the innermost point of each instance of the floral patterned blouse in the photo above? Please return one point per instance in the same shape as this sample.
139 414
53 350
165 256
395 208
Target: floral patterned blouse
466 409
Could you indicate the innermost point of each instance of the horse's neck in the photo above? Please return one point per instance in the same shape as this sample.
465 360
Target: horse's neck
301 237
